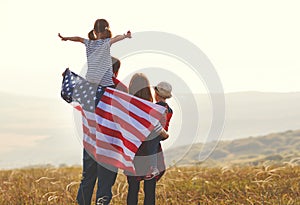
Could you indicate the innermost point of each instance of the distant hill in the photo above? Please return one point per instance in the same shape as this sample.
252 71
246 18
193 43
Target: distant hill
276 147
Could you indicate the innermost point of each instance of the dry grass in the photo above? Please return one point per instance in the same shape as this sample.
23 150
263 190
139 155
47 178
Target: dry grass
186 185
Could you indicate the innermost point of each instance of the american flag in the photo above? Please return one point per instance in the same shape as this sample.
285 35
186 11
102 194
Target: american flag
114 123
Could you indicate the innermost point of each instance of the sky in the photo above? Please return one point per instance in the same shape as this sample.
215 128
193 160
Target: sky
253 45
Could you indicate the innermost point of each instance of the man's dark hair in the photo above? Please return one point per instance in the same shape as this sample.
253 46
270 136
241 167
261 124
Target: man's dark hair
115 64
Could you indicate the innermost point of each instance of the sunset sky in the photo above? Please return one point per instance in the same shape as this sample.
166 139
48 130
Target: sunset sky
253 45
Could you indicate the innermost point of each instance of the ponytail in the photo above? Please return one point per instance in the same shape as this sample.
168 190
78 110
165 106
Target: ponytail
107 33
91 35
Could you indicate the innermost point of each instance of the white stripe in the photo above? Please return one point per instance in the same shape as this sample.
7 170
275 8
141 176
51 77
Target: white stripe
115 141
115 126
112 125
132 108
89 140
107 153
157 107
90 128
114 155
124 116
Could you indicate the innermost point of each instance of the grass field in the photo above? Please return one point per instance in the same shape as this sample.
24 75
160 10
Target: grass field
184 185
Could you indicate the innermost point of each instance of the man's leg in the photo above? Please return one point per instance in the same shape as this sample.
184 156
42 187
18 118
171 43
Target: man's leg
89 175
106 179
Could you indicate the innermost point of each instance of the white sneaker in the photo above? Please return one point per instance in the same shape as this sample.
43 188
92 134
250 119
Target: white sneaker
101 200
154 172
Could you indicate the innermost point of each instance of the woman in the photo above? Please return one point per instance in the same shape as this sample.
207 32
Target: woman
139 86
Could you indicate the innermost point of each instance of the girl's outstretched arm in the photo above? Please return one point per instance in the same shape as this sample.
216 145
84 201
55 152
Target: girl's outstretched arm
120 37
75 38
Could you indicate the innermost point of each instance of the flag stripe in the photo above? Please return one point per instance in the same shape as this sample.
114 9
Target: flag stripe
122 117
113 148
108 160
118 136
132 108
111 125
140 103
118 105
123 123
106 152
110 150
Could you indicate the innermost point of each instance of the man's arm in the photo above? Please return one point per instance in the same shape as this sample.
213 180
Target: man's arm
75 38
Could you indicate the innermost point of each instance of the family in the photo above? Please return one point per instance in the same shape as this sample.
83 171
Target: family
149 161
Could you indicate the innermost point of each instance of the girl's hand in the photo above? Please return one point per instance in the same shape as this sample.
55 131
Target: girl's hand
128 35
61 37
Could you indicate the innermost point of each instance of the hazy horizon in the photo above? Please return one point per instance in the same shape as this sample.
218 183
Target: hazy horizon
42 131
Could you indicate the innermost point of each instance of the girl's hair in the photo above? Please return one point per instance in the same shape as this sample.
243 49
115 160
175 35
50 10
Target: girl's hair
139 86
100 26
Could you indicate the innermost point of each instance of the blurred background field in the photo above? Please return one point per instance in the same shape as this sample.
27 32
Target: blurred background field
194 185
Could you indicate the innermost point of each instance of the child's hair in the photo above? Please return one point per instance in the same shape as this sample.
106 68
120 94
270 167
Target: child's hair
100 26
139 86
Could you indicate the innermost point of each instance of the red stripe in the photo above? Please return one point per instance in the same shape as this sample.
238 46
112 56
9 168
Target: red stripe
135 101
90 148
114 148
125 125
115 103
116 134
114 162
108 131
87 132
108 116
104 159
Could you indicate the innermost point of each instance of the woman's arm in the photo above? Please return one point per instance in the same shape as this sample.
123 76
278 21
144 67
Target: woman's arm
120 37
75 38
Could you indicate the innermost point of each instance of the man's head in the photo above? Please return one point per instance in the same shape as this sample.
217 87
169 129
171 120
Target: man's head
116 63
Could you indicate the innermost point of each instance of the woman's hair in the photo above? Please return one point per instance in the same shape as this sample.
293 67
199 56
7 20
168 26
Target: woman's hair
139 86
100 26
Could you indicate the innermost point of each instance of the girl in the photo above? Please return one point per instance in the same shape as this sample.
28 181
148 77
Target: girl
98 52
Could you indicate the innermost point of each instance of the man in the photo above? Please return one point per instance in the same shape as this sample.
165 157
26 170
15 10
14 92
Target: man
116 66
92 170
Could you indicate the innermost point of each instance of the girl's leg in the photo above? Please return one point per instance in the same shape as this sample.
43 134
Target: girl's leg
133 190
149 189
152 148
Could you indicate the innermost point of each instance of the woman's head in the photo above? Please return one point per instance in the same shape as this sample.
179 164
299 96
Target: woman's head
139 86
100 31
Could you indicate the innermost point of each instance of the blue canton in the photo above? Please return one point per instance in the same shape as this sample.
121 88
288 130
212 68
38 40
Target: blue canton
77 89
